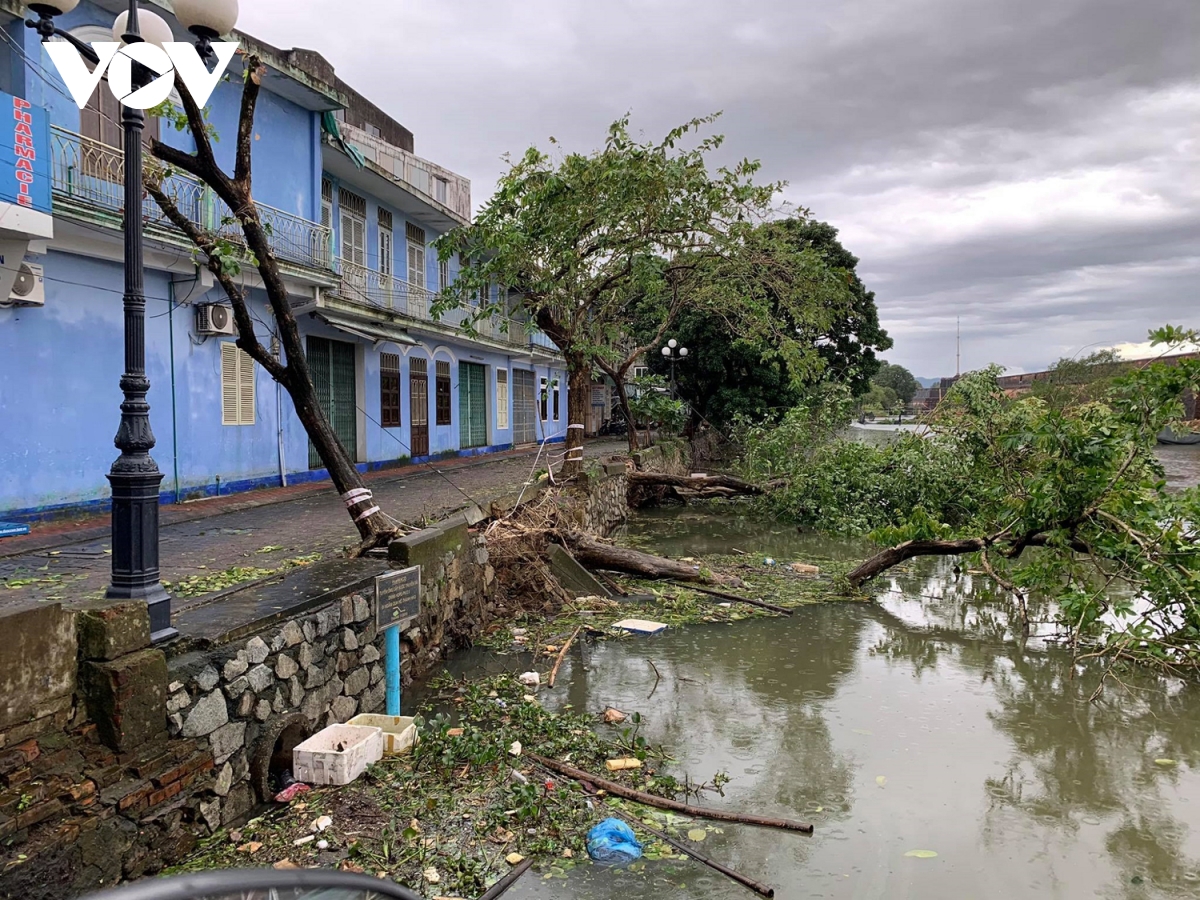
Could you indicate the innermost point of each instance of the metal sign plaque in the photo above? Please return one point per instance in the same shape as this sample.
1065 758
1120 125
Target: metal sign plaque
398 598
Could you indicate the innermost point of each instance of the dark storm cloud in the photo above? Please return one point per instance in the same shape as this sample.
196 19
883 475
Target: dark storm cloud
1027 165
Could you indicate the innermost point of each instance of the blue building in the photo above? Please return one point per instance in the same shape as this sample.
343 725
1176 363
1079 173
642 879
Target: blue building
352 213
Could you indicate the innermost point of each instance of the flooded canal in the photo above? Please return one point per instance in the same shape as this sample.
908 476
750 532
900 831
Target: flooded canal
912 724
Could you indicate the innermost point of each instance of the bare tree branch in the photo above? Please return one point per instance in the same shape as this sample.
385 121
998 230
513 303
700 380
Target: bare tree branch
247 339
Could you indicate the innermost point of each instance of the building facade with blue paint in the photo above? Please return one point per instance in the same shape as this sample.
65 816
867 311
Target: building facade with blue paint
352 213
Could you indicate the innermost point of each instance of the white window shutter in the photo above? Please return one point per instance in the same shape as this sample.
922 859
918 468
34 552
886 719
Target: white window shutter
229 383
246 404
502 398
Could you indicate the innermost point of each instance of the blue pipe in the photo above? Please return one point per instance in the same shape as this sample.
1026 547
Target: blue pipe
391 638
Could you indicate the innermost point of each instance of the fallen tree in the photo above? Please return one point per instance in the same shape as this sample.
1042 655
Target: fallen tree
595 553
1063 505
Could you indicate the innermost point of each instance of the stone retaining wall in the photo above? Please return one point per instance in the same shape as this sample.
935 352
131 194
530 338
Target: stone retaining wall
115 759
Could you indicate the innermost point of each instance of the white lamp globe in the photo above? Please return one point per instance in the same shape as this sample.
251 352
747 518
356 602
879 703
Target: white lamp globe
54 7
683 351
672 343
666 351
207 17
153 28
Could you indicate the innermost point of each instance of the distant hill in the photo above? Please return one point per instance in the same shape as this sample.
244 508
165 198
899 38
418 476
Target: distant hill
927 382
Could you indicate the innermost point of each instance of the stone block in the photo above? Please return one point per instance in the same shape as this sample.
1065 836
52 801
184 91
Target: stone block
614 468
209 714
309 654
207 679
348 609
357 681
310 630
257 651
239 802
428 547
237 687
362 608
246 704
236 666
370 654
292 634
296 691
343 708
376 674
285 667
127 698
210 812
177 701
37 660
260 677
373 699
113 629
228 740
349 639
316 677
328 620
262 712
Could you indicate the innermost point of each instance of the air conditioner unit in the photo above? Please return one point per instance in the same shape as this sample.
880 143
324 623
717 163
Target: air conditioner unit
29 289
213 318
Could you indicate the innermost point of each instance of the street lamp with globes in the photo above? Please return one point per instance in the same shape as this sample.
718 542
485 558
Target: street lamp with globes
134 476
673 352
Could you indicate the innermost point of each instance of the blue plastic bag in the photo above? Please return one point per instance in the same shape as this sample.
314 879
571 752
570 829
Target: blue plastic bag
612 841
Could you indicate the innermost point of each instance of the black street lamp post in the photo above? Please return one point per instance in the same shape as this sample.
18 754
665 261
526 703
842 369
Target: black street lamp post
134 476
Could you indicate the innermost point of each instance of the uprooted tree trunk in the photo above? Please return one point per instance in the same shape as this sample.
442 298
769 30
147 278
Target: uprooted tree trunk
375 528
1009 548
649 487
596 554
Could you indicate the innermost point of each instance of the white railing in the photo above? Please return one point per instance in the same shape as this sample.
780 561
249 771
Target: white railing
386 292
427 178
90 172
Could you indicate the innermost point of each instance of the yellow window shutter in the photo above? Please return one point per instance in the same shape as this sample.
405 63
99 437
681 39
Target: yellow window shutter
246 405
229 383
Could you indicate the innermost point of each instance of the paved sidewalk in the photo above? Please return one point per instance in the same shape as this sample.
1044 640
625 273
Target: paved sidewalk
258 529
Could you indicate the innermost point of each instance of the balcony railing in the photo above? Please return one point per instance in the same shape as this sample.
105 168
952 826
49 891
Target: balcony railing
447 188
90 172
366 286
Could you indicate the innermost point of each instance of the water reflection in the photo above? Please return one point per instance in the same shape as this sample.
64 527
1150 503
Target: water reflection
916 723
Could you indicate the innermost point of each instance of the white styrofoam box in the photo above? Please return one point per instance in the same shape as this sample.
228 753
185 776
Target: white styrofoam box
399 732
337 754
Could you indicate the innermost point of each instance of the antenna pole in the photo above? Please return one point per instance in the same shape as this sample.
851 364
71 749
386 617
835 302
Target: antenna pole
958 347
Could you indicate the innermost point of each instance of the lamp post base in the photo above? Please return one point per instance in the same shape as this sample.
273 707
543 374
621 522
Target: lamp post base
135 542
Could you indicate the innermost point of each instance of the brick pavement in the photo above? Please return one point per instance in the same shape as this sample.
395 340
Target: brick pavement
69 562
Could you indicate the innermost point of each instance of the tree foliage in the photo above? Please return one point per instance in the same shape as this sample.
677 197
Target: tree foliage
828 317
1061 501
590 241
896 379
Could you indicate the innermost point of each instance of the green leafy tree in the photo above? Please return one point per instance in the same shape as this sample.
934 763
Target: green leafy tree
850 343
828 317
584 239
898 379
1072 381
1065 502
650 404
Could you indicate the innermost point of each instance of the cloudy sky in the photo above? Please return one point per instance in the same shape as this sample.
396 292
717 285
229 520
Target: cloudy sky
1030 165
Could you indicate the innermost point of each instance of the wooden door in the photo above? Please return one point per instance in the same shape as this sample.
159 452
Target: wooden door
418 401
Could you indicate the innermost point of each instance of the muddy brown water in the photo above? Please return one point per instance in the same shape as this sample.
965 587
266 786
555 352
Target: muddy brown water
916 723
